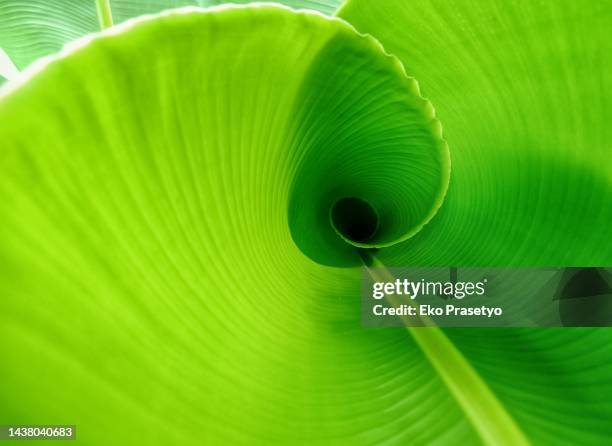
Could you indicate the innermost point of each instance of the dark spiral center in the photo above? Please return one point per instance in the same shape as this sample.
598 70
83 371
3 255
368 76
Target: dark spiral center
355 219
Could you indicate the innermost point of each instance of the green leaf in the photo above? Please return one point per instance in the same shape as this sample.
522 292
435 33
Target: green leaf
522 93
147 262
32 29
522 90
29 30
151 183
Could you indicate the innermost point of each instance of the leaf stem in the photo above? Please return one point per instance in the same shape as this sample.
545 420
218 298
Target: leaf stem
486 413
104 14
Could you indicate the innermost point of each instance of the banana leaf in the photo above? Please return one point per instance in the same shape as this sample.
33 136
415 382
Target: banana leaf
173 261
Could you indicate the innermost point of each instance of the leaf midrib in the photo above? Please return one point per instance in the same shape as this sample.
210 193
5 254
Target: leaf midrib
482 408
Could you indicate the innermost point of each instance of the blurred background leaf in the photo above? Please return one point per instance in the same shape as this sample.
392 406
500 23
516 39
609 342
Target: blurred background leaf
32 29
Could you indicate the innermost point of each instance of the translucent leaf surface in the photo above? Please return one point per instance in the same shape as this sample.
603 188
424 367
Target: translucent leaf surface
32 29
522 90
152 288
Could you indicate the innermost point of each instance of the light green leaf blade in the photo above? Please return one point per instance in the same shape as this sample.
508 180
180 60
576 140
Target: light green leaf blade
29 30
522 91
33 29
522 94
126 9
147 263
